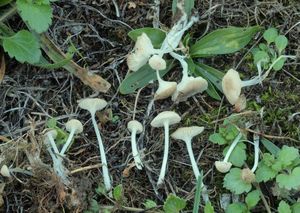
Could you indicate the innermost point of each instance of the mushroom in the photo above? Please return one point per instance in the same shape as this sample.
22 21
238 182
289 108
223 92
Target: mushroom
5 171
165 119
256 152
156 62
135 127
92 105
189 85
73 126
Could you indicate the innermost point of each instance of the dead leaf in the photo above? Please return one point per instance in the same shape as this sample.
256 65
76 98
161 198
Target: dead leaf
2 67
126 171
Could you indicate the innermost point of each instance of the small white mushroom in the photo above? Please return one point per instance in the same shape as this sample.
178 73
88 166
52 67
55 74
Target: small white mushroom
135 128
92 105
73 126
5 171
165 119
156 62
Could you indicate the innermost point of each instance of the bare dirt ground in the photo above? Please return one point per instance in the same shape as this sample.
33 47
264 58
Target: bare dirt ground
30 96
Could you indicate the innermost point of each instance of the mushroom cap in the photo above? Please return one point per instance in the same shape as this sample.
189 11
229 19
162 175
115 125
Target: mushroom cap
52 133
187 133
135 61
222 166
231 86
165 90
166 116
241 103
188 87
74 124
143 46
92 104
247 175
156 62
5 171
134 124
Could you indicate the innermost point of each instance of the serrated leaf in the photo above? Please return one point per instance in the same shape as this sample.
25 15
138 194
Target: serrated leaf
238 155
233 182
296 207
149 204
23 46
174 204
289 181
37 14
270 35
236 208
264 173
281 42
287 155
208 208
118 193
156 36
223 41
142 77
279 64
284 207
217 138
252 199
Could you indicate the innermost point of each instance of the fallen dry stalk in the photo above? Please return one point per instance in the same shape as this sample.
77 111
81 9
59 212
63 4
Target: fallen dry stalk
81 169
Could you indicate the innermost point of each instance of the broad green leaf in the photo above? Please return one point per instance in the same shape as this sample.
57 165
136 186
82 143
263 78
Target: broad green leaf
263 47
238 155
149 204
270 35
287 155
174 204
279 64
223 41
217 138
37 14
118 193
284 207
156 36
141 78
236 208
197 199
208 208
188 6
289 181
296 207
264 173
281 42
23 46
252 199
233 182
271 147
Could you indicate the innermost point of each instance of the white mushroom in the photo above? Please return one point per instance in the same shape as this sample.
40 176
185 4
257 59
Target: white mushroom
92 105
165 88
156 62
135 128
165 119
5 171
73 126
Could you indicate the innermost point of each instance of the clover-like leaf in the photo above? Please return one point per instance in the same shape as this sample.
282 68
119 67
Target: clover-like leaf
264 173
261 56
252 198
289 181
287 155
270 35
233 181
174 204
236 208
284 207
23 46
38 14
281 42
238 155
217 138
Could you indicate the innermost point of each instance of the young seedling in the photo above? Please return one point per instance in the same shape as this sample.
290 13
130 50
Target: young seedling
165 119
135 128
74 127
92 105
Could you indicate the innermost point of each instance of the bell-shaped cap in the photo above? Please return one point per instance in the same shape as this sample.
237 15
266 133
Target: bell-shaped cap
135 61
247 175
167 116
52 133
143 45
165 90
92 104
74 124
5 171
188 87
187 133
231 86
156 62
135 125
222 166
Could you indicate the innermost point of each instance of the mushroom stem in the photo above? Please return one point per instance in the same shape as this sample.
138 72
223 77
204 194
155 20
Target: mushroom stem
165 157
135 152
192 158
232 146
53 145
68 142
256 152
105 171
183 63
160 81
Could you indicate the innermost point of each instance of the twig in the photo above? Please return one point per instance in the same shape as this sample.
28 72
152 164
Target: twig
269 136
86 168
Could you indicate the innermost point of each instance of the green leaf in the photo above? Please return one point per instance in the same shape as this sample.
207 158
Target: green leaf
208 208
261 56
94 206
238 155
236 208
212 92
174 204
223 41
271 147
23 46
118 193
37 14
284 207
281 42
289 181
296 207
217 138
287 155
252 199
156 36
197 199
264 173
141 78
149 204
270 35
233 182
279 64
51 123
100 190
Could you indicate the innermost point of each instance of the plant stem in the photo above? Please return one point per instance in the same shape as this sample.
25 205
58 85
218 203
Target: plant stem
135 153
232 146
105 171
166 153
69 140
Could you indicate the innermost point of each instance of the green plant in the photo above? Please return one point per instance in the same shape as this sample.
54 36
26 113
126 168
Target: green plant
174 204
62 135
251 201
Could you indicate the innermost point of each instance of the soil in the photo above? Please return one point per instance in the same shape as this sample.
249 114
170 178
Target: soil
30 96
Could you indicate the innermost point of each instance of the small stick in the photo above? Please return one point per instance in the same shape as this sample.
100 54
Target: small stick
86 168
